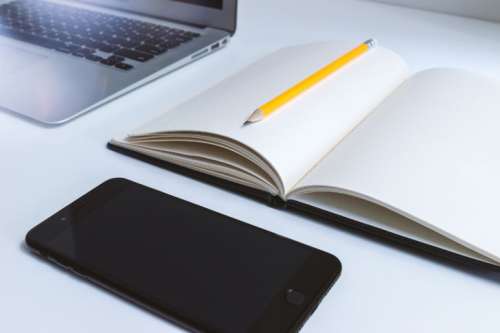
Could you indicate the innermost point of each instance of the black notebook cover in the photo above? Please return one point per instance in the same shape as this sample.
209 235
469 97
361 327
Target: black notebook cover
322 215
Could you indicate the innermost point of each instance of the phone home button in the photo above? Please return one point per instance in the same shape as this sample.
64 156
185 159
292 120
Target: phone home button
294 297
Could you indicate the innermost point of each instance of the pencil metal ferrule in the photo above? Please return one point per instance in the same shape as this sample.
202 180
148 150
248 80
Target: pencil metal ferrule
371 43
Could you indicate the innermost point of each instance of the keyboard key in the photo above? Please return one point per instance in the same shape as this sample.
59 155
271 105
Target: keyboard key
103 47
124 66
116 59
93 57
81 51
168 45
134 55
107 62
151 49
112 60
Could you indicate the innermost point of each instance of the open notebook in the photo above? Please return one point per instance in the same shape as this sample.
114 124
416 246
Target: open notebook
414 155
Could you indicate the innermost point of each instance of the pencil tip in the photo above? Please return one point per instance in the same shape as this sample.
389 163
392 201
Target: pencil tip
254 117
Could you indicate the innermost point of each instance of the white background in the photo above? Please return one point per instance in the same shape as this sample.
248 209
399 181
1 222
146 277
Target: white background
382 288
484 9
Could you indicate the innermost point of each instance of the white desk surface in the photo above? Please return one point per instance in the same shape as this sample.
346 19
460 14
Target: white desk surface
382 289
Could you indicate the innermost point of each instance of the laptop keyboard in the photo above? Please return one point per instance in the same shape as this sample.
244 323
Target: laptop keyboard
102 38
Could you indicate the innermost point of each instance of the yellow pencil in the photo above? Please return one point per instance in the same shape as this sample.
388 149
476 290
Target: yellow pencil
276 103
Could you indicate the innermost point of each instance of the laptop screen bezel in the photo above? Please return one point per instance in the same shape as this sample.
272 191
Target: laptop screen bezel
198 15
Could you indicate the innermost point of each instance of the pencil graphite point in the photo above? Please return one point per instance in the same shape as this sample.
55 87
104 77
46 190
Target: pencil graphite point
256 116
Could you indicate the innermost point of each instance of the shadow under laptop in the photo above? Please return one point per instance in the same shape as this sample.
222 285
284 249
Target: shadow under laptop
21 117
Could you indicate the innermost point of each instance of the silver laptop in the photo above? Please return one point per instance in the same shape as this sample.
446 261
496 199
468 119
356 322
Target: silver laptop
60 59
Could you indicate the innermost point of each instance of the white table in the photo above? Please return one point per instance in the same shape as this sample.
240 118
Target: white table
382 289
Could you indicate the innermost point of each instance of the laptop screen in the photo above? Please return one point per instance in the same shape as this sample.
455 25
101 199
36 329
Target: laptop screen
219 14
207 3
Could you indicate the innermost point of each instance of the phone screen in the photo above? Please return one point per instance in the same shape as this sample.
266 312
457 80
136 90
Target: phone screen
201 267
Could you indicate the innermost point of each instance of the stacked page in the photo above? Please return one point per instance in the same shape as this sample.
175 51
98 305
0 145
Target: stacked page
411 154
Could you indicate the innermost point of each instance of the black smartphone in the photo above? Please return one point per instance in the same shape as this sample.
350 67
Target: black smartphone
200 269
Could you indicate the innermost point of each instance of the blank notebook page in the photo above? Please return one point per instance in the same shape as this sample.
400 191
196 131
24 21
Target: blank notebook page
431 152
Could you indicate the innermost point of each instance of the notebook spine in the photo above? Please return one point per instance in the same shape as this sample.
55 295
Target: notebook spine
276 202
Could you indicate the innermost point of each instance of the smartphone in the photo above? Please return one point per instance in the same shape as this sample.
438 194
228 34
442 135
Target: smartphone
200 269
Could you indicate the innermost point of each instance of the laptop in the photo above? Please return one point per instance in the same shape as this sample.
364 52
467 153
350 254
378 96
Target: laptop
60 59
